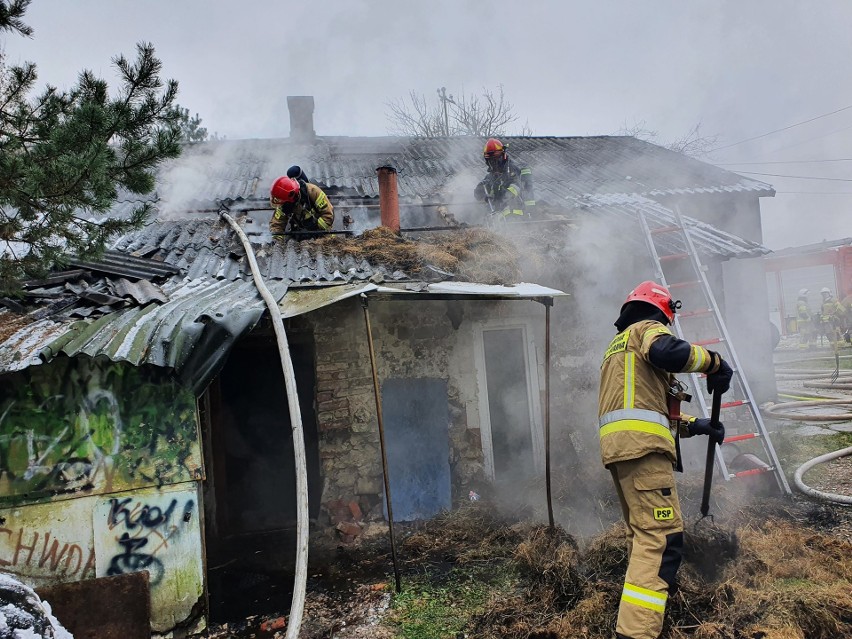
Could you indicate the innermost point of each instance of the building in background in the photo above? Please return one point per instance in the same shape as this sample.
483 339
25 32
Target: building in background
813 266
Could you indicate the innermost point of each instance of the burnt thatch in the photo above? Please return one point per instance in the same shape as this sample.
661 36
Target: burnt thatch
473 255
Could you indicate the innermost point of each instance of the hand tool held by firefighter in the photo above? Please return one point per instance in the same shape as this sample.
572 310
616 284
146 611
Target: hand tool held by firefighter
711 454
490 204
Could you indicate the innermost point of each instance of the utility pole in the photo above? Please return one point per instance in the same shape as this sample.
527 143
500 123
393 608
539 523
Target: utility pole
442 95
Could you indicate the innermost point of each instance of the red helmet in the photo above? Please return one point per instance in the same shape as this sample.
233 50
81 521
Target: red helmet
656 295
285 189
494 148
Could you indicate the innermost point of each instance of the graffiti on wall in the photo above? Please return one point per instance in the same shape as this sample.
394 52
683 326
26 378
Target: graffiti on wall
157 531
144 530
45 544
81 425
47 552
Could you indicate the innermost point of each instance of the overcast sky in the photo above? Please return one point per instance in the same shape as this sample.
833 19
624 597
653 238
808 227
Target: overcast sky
740 68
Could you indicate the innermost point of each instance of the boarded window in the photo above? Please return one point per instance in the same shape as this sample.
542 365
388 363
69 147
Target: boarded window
416 416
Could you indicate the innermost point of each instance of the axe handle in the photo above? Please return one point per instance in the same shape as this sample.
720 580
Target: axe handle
711 455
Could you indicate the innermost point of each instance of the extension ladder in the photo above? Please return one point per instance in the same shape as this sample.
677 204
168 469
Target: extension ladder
691 277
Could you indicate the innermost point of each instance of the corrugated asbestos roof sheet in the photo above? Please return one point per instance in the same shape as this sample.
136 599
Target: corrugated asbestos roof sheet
563 168
191 333
709 240
209 248
123 265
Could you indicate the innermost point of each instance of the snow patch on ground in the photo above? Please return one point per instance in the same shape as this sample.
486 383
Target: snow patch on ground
23 615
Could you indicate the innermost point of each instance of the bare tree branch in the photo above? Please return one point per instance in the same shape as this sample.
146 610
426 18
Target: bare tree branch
483 115
692 143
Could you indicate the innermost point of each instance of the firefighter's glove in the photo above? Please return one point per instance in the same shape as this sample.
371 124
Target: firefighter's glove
719 381
481 192
702 426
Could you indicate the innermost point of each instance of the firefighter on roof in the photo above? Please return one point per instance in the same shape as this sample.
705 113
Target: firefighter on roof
299 203
640 425
507 188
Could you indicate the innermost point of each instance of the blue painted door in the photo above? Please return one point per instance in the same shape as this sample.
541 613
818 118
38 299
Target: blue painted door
416 415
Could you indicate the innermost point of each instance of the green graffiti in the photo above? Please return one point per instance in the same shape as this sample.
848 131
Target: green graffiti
84 425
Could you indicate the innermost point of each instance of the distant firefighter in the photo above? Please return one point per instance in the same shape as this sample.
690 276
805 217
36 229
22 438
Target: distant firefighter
507 188
299 203
805 321
832 317
846 302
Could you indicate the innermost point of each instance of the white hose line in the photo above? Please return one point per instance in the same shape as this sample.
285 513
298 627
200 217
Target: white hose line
297 605
812 492
782 410
799 394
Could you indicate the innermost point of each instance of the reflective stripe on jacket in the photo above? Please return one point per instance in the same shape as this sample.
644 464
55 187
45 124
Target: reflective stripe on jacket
632 405
511 189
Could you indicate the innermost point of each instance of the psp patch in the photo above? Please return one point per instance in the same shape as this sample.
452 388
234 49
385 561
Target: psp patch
617 345
663 514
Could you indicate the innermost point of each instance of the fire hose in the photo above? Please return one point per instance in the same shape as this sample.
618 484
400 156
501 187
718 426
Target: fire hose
297 605
813 492
816 378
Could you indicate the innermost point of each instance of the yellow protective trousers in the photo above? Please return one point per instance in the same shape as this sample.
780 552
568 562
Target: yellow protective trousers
646 490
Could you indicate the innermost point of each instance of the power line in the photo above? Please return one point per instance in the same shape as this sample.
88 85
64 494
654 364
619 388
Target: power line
798 177
813 192
809 140
763 135
784 162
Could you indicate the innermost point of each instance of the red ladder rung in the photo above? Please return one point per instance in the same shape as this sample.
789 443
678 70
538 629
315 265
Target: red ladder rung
753 471
704 311
677 285
673 256
665 229
712 340
734 403
739 438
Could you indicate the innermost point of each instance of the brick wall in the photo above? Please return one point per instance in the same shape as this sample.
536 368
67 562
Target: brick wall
412 340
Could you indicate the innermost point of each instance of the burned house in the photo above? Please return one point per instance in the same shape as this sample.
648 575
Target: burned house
144 423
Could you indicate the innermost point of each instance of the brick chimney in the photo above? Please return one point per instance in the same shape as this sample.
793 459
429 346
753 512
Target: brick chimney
388 197
301 109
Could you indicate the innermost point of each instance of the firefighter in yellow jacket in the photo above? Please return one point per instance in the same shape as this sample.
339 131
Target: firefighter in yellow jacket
640 423
832 318
299 203
805 321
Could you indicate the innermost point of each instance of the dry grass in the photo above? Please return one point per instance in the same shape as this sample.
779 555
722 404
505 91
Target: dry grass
474 255
467 534
774 579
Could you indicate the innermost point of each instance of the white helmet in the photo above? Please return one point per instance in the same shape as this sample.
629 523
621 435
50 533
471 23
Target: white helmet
825 290
803 292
